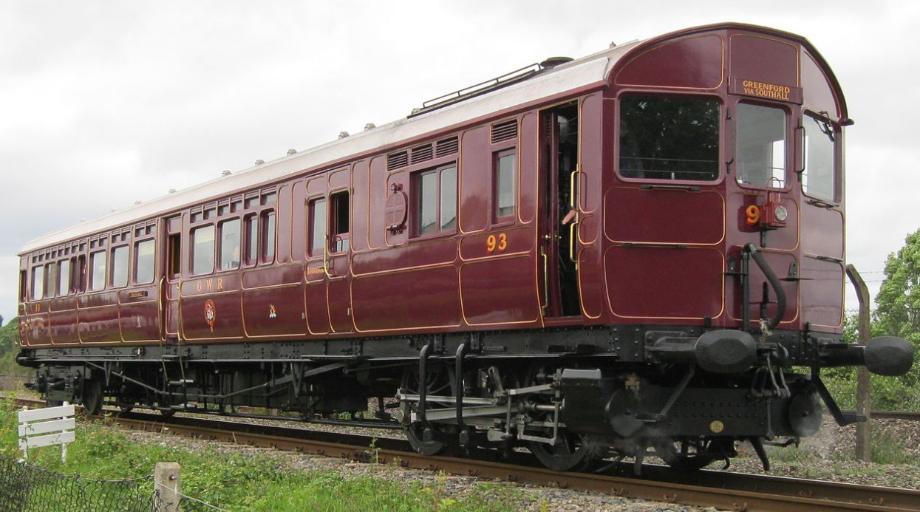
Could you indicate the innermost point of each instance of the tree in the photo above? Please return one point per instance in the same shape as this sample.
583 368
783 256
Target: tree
898 301
9 336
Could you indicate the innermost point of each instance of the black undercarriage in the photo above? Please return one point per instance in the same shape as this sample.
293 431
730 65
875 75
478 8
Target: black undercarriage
572 396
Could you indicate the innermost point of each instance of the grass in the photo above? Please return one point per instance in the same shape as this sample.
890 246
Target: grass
247 482
886 449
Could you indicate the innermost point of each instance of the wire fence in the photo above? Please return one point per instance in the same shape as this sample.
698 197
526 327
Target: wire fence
185 504
25 487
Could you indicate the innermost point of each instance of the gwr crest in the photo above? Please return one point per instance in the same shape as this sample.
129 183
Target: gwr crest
210 313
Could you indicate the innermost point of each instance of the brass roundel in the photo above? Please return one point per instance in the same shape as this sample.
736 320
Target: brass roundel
716 426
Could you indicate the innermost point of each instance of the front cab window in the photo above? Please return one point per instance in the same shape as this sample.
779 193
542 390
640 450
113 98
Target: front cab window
760 147
669 137
819 179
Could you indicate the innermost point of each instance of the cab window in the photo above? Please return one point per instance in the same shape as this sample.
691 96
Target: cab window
669 137
819 177
760 147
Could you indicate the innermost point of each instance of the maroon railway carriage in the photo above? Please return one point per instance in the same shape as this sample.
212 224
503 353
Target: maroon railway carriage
624 252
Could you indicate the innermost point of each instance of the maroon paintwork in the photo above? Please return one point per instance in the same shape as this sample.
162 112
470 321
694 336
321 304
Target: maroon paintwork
646 255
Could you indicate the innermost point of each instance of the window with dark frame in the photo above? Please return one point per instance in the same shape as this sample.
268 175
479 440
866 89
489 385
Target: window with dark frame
144 254
23 285
267 236
340 222
317 233
503 183
50 280
669 137
252 239
79 278
174 259
435 192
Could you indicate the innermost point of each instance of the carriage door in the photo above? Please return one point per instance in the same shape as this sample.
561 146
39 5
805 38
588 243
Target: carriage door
558 221
328 295
172 257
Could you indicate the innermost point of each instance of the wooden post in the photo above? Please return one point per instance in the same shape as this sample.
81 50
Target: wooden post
863 385
25 449
166 486
64 445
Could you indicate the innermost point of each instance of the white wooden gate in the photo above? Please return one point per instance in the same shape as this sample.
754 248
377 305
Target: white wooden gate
46 427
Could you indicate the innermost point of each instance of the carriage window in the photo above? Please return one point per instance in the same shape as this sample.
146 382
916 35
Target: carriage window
23 277
38 283
97 268
50 280
427 202
818 179
760 148
230 244
79 277
669 137
174 257
436 200
144 254
340 214
252 239
504 184
203 250
268 236
317 226
63 277
120 266
448 198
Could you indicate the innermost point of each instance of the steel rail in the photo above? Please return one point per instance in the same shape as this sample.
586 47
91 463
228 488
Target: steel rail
719 489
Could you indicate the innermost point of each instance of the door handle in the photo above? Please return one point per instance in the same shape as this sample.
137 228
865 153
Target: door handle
545 279
573 203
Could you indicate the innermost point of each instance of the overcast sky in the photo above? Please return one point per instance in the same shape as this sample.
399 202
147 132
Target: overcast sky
106 103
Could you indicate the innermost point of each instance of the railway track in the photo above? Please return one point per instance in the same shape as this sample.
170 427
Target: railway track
719 489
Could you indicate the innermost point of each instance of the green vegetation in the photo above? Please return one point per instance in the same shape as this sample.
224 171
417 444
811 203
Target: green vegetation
897 313
9 346
252 482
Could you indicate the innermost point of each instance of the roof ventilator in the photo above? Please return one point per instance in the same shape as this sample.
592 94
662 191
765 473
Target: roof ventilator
397 160
504 131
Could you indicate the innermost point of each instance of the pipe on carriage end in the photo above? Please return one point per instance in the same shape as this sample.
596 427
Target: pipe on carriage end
884 355
774 283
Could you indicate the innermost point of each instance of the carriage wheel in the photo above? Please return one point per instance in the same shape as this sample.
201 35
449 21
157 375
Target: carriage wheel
572 452
92 396
685 454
